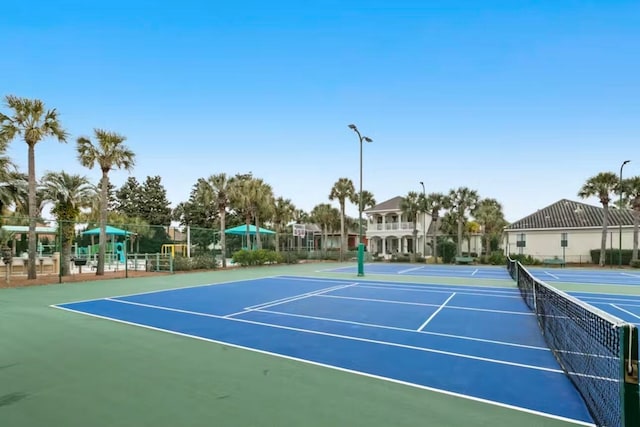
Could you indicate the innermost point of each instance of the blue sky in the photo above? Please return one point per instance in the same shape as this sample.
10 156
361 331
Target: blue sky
520 100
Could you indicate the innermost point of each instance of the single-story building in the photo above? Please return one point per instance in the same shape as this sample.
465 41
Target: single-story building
568 230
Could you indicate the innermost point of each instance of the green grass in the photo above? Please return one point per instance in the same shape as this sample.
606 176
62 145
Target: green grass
64 369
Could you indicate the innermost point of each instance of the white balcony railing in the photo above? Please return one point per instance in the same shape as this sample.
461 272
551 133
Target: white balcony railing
392 226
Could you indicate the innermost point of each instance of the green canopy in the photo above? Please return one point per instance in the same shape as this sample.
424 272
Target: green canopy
111 231
242 229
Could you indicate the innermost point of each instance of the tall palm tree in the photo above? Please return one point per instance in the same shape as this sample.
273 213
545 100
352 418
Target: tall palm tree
322 215
33 122
108 153
434 203
489 215
368 201
221 187
68 193
601 186
632 192
410 206
14 191
242 198
282 214
342 191
462 201
263 205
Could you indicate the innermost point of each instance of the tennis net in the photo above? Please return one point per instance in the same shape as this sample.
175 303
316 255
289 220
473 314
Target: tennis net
598 351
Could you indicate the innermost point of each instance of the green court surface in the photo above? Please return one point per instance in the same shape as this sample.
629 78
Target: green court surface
63 369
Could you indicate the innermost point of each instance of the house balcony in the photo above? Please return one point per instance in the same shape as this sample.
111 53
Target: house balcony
393 226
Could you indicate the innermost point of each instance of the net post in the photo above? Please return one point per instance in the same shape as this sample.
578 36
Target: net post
629 389
360 259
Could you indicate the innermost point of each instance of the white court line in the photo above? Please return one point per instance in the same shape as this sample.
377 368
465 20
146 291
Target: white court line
351 338
493 294
426 322
409 269
424 304
552 275
474 272
337 368
287 300
413 331
626 311
630 275
177 288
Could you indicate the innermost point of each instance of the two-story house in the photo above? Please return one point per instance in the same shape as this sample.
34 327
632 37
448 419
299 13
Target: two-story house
390 231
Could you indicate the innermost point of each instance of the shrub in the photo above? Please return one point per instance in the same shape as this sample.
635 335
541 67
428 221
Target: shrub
612 256
496 258
525 259
246 258
198 262
635 263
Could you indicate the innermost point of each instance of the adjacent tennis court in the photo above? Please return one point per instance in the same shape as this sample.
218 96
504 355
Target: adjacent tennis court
291 346
552 275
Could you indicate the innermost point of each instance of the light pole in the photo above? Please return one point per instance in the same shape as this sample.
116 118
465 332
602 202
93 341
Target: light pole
621 216
360 243
424 223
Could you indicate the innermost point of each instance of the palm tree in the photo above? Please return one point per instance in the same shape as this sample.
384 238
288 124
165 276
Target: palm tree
14 191
601 186
68 193
221 187
282 214
462 201
322 215
33 123
242 196
434 203
368 201
632 191
263 205
410 206
342 190
109 153
489 215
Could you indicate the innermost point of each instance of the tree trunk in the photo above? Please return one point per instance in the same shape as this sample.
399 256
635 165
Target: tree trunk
324 239
459 245
415 241
102 240
278 229
247 221
31 272
434 219
636 224
67 242
223 237
342 245
258 239
603 243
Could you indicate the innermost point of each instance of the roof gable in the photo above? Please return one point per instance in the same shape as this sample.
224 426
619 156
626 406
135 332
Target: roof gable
570 214
388 205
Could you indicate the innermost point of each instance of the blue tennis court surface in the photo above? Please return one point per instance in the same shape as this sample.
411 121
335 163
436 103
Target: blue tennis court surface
550 275
479 343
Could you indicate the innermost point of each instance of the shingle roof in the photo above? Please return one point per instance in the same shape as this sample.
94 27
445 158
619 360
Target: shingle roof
569 214
388 205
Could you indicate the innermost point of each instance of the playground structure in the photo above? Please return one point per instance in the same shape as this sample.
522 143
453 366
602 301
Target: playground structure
175 248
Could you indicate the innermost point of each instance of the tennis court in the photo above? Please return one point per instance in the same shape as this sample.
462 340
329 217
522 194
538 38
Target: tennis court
551 275
348 351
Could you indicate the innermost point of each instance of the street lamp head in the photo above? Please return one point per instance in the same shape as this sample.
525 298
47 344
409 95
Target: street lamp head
421 183
366 138
352 127
625 162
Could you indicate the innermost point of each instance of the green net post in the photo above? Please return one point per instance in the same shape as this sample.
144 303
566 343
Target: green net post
171 264
360 259
630 390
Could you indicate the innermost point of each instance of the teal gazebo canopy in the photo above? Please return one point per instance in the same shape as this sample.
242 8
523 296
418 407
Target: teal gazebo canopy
242 230
111 231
